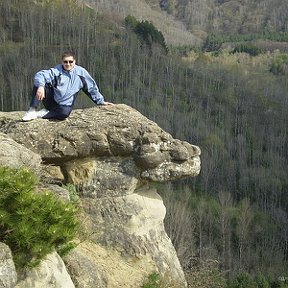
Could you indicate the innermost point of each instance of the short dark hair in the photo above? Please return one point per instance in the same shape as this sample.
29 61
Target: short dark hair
68 54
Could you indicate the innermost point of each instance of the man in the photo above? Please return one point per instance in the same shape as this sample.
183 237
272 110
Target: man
58 87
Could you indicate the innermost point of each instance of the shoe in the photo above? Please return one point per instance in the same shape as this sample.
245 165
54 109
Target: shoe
30 115
42 113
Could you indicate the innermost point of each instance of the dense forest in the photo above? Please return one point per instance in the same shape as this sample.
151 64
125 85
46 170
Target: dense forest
229 16
229 225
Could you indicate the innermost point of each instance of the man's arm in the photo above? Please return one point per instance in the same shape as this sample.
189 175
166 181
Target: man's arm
91 89
40 79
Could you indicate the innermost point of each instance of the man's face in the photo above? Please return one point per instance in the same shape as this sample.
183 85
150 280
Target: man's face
68 63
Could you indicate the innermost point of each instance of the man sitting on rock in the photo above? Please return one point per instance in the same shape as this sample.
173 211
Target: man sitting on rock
58 87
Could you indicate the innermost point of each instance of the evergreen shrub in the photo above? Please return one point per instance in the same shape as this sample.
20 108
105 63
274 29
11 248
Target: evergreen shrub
247 48
153 281
73 194
33 224
146 31
246 280
243 280
279 65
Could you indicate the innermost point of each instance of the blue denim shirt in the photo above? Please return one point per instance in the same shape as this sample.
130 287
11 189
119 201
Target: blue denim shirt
69 83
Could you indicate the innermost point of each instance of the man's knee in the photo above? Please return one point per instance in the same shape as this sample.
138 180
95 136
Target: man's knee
59 113
62 116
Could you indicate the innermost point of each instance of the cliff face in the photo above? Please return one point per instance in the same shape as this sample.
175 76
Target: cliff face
112 155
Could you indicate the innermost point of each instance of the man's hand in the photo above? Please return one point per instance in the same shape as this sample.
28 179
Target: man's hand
40 94
107 103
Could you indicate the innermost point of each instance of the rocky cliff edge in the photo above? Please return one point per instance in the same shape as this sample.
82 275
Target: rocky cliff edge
112 154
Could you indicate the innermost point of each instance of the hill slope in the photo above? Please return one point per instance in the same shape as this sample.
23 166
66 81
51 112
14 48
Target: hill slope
187 22
173 30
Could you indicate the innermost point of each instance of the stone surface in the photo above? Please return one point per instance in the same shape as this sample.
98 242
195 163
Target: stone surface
51 273
92 265
112 155
16 155
8 275
133 226
117 131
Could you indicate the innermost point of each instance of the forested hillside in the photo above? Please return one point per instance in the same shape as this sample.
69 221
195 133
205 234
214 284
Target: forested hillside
174 30
189 22
230 16
230 220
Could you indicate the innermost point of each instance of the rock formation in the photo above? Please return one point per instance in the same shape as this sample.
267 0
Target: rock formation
8 275
112 155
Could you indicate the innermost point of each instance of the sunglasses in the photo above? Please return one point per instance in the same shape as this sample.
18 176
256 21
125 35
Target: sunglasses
66 61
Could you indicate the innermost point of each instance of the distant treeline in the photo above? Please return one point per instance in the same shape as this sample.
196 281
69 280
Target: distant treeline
214 41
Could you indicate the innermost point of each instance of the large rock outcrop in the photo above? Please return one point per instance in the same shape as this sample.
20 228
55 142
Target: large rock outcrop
112 155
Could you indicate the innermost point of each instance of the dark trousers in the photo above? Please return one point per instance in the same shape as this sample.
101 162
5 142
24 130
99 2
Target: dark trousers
56 111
